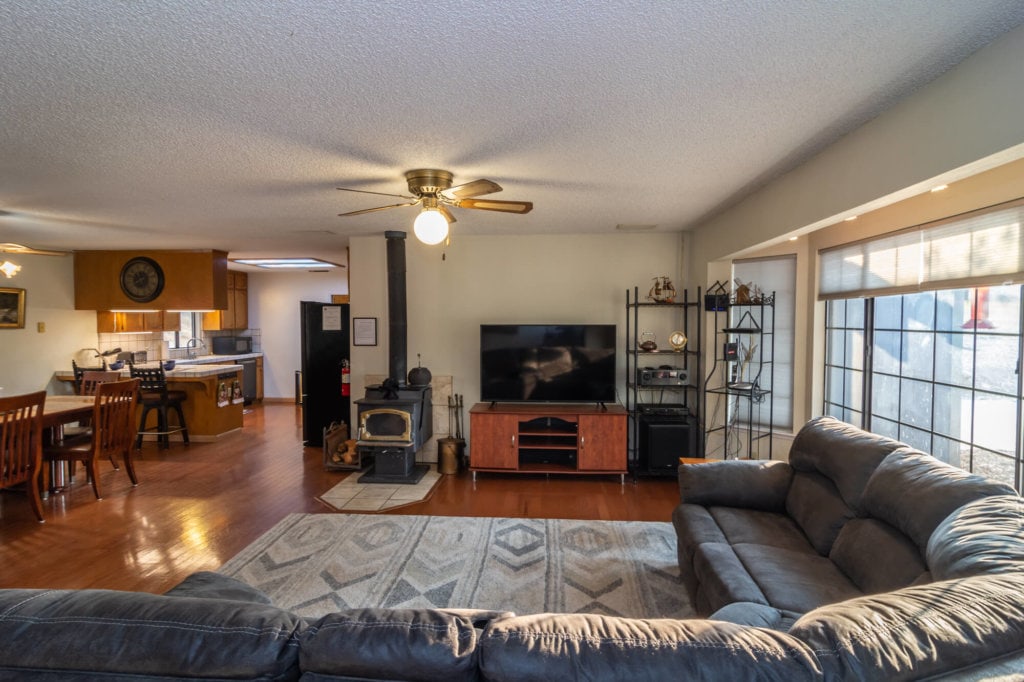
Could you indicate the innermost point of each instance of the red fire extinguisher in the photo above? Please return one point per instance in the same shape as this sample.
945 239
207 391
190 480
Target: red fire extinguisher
346 378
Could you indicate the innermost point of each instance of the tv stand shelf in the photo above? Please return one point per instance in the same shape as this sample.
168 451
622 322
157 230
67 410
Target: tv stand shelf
547 439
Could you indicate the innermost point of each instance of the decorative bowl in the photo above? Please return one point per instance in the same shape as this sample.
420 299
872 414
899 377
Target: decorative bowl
169 365
116 365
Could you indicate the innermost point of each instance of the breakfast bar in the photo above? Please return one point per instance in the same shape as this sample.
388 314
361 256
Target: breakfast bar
213 404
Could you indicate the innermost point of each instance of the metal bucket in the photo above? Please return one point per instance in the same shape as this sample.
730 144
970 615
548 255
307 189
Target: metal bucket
448 455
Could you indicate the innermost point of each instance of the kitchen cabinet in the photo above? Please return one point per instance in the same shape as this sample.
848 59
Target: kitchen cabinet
121 322
236 315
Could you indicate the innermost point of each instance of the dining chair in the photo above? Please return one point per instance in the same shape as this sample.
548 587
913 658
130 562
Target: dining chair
78 372
113 432
21 443
154 395
73 435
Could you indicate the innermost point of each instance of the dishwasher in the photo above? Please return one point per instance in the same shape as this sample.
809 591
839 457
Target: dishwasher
248 381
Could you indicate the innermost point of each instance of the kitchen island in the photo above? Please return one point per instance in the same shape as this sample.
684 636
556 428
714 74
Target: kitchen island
212 406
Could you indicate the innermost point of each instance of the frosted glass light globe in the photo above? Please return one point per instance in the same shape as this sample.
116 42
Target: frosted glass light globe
430 227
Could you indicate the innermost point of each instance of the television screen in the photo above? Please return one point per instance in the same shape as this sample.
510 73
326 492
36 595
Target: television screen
547 362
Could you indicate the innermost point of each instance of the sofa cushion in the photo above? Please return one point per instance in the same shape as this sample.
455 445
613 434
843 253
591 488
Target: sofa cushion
750 484
876 556
748 613
817 507
101 634
915 492
210 585
391 644
795 581
549 647
984 536
759 527
722 579
917 631
842 453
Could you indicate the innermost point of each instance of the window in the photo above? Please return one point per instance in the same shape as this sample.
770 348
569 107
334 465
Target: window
777 274
938 370
190 328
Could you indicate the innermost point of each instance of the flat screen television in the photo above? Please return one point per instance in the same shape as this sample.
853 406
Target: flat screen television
573 363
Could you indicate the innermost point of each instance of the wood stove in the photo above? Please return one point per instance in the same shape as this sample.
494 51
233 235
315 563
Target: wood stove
395 419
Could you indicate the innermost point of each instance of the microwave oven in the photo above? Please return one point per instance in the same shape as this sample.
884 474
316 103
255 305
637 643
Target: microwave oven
232 345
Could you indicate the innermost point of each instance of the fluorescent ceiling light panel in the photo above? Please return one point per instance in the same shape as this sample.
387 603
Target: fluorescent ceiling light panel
284 263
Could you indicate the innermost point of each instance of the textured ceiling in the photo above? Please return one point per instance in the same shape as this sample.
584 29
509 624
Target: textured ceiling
228 124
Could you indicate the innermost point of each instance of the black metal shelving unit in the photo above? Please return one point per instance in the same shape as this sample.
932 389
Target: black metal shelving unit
742 379
647 403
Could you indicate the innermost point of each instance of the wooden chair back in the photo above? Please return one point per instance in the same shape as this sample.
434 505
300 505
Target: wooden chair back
92 378
79 371
21 444
114 427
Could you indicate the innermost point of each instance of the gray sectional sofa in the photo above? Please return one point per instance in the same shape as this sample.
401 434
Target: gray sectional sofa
859 560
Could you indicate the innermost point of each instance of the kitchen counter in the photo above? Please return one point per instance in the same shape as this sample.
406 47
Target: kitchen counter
210 411
208 359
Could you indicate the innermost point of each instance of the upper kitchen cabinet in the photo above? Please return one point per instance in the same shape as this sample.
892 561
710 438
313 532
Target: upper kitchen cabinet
150 321
151 280
236 315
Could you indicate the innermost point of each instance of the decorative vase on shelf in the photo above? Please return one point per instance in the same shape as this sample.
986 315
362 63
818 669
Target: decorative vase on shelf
647 342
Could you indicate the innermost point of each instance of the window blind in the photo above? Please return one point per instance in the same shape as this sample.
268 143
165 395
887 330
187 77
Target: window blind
981 247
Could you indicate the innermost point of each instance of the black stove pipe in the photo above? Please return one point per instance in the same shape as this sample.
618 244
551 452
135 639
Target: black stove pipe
398 323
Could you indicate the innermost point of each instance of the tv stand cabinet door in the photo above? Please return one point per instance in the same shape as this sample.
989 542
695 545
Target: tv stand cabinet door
492 441
602 442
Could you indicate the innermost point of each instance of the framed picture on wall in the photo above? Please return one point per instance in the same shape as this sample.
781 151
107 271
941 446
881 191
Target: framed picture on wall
364 331
12 308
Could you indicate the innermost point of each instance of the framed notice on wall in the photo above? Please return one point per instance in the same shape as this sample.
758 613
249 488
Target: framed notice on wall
364 331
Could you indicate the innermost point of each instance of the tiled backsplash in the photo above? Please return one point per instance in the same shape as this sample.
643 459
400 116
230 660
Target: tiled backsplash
152 343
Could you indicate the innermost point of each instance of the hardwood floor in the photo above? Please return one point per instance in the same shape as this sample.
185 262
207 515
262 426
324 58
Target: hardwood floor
197 506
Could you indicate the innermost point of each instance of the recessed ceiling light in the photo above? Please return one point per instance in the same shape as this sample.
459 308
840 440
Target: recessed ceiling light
939 188
286 263
850 219
793 239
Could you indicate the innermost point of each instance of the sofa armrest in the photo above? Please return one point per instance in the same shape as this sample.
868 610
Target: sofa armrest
751 484
210 585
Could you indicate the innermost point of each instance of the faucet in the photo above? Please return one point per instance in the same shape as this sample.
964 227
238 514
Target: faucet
193 344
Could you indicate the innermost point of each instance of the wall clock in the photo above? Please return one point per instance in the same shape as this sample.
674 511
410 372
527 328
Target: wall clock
142 279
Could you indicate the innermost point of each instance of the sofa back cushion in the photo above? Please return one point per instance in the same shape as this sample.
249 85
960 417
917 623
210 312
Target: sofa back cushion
549 647
842 453
918 631
914 492
832 463
103 634
982 537
877 557
392 644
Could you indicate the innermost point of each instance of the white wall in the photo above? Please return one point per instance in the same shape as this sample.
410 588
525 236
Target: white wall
966 121
274 309
28 357
528 278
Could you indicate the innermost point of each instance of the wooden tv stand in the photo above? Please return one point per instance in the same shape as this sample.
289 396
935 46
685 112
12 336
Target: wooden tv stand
547 439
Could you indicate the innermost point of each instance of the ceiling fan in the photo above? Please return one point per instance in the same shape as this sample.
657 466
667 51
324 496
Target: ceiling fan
433 189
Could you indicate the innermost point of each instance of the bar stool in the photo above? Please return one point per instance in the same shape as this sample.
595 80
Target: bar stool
154 395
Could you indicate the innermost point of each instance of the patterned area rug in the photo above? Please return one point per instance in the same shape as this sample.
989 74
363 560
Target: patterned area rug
314 564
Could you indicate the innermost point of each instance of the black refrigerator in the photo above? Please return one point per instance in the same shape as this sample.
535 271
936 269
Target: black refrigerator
325 343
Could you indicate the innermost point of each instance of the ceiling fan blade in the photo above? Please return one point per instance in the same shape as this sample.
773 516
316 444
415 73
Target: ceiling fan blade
380 194
379 208
494 205
470 189
443 210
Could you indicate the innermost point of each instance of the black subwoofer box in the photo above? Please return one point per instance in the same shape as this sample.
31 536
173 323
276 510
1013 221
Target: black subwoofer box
663 440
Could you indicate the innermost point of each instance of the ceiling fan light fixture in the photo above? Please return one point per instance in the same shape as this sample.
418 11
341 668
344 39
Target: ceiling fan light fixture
430 226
